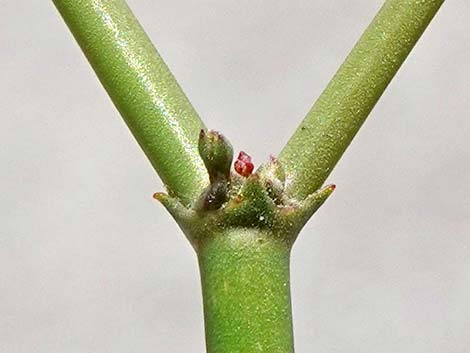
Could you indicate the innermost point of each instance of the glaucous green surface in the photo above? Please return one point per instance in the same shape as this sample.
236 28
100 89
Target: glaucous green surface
329 127
142 88
246 292
244 266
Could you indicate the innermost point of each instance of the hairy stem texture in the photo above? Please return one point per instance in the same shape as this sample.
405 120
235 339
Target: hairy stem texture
329 127
142 88
245 283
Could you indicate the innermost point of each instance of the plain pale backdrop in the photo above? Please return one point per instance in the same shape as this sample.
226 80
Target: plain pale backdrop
89 263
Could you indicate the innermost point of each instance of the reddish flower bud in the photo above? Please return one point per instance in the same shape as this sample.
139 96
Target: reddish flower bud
243 164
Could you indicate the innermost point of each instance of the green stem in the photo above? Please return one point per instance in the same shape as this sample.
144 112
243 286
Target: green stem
327 130
244 270
245 283
142 88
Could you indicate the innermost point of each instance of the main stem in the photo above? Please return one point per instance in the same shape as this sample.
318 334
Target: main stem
245 284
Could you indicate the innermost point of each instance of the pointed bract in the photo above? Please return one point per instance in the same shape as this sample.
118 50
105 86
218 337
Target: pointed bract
179 212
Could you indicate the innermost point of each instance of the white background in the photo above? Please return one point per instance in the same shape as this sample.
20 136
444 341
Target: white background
89 263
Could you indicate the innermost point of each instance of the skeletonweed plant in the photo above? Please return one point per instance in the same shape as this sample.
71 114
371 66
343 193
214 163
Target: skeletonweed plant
241 222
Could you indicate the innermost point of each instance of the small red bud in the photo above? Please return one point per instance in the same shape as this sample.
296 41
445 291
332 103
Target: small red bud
243 164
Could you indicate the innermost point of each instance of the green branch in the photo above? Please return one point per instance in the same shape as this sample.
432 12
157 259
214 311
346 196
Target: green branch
143 90
329 127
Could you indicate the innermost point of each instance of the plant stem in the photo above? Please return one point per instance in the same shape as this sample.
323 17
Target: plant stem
245 283
244 264
142 88
329 127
